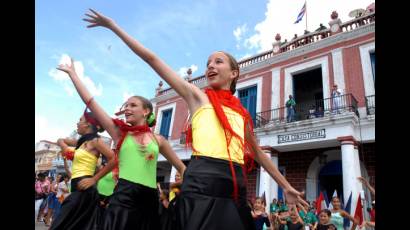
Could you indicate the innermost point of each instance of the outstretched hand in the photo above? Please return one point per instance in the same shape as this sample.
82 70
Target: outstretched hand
294 197
67 68
97 19
362 180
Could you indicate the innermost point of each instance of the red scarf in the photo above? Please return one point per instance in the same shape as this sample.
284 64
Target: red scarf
219 98
125 129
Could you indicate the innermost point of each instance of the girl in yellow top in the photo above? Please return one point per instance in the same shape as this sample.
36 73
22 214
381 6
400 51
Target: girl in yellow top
78 210
213 192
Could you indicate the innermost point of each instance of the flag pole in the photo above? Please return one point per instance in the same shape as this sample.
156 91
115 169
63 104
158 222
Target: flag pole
306 13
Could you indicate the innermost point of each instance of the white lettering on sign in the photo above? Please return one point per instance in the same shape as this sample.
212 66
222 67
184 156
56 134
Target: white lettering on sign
315 134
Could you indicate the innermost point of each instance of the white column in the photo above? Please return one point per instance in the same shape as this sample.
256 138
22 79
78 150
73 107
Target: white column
359 185
351 170
311 189
172 176
264 182
273 185
339 78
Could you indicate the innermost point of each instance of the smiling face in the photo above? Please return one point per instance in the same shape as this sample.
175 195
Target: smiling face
258 205
336 203
324 218
220 71
134 111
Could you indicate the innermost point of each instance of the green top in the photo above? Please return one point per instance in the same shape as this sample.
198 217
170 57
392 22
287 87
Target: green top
106 185
137 166
290 102
337 220
274 208
283 207
308 218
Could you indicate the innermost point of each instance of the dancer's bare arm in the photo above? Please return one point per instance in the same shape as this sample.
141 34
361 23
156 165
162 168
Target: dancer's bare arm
85 95
367 184
344 214
166 150
64 143
189 92
292 196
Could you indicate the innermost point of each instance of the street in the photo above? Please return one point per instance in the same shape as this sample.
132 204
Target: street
40 226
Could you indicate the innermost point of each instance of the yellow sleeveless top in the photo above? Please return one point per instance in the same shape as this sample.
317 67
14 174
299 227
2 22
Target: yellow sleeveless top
84 163
208 136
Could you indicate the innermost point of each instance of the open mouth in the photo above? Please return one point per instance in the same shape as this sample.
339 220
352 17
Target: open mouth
211 75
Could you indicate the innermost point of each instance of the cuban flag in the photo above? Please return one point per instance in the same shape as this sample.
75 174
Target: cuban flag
347 208
301 14
330 203
320 203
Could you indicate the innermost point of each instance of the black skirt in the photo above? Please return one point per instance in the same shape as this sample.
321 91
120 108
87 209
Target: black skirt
79 211
167 216
132 206
206 202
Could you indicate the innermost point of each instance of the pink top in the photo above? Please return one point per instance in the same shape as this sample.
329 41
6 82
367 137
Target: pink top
42 187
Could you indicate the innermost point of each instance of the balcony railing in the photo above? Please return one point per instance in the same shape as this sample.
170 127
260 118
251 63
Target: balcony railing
309 110
182 139
293 44
370 105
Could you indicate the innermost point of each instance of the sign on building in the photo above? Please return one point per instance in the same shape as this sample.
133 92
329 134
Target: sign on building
315 134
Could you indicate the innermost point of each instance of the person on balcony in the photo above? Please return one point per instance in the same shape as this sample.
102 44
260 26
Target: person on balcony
321 27
290 105
319 112
336 99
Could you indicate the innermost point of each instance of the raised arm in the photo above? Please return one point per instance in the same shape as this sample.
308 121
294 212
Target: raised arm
344 214
292 196
191 94
85 95
367 184
166 150
64 143
109 154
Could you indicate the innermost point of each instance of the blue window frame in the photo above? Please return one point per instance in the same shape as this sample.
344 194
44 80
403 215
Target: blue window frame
248 98
165 123
373 62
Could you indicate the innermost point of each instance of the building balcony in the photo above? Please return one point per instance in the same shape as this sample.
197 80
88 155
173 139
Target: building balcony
306 43
370 105
319 109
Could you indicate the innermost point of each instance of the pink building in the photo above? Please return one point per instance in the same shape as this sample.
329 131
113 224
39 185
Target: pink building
330 140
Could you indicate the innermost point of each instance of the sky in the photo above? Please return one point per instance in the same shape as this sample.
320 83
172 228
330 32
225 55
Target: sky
181 32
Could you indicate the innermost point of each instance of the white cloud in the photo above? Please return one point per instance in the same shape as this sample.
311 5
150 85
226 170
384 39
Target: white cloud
281 15
44 130
239 31
62 77
182 70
